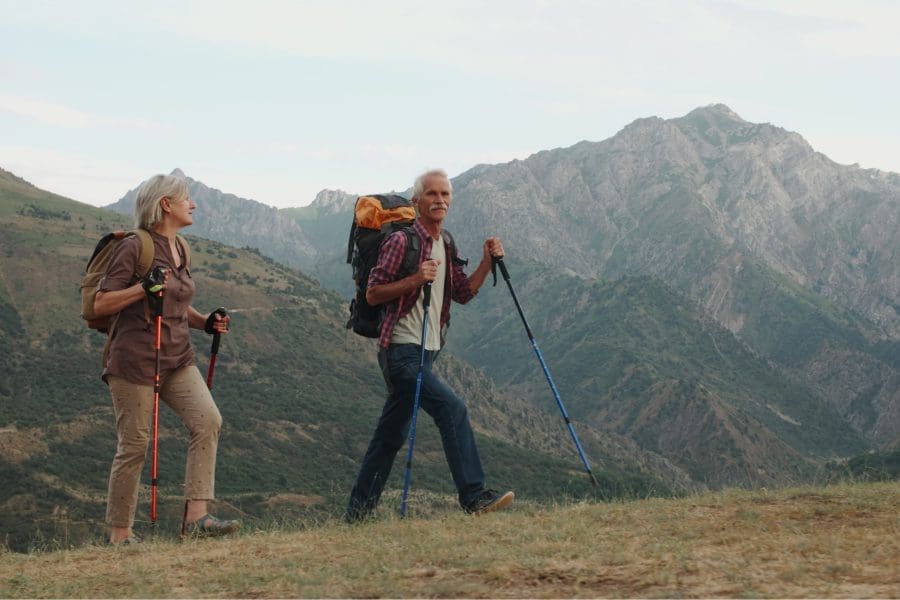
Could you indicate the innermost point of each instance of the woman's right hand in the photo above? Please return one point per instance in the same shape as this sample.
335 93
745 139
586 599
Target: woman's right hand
155 281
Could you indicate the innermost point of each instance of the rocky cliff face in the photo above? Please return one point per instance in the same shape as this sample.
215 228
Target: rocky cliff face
688 199
795 254
329 202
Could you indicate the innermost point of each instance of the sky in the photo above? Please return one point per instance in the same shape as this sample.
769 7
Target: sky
275 100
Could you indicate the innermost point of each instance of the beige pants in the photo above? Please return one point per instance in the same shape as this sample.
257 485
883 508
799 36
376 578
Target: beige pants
185 392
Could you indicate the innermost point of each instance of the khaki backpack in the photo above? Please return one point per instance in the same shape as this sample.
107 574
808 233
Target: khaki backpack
98 263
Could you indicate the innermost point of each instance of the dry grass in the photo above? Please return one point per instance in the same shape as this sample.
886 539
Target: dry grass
835 542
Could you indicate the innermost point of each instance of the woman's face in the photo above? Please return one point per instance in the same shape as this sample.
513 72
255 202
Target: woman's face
179 210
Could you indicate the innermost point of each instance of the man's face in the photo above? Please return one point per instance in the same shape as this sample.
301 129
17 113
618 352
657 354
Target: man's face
434 202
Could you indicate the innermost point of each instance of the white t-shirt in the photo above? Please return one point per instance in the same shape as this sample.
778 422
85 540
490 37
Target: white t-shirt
409 328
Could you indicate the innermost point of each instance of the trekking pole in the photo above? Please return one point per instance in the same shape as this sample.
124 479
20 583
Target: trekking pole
212 360
412 426
498 260
154 470
214 351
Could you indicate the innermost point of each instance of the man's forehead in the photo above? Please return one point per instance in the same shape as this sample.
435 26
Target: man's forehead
436 181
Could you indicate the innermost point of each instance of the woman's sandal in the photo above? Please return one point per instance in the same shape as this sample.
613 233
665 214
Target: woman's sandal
210 526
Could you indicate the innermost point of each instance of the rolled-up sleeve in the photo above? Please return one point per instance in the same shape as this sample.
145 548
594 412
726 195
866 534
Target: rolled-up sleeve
461 292
389 260
120 271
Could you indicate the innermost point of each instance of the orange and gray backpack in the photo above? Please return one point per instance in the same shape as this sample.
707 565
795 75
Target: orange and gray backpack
374 219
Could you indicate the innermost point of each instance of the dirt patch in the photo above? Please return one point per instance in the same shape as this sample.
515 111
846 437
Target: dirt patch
17 446
279 500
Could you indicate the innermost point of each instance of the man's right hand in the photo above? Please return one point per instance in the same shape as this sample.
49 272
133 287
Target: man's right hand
428 270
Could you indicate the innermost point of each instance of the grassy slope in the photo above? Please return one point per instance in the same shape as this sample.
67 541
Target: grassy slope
835 541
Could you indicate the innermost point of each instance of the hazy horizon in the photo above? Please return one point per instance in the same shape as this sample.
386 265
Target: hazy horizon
280 100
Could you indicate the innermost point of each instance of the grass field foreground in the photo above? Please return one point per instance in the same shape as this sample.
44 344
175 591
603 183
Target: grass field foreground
838 541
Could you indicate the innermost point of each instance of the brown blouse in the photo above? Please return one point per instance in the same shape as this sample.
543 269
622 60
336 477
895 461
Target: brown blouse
132 355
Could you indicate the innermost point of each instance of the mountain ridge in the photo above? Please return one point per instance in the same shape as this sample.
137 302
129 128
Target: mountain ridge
726 211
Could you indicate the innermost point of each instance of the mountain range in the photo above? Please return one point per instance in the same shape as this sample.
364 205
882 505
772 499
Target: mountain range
792 253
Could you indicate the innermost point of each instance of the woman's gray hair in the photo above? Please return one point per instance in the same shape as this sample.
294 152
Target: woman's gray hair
147 209
419 185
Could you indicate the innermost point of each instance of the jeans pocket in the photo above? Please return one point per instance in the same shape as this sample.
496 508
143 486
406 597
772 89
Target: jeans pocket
403 360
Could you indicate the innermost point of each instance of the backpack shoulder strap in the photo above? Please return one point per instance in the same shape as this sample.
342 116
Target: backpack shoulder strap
145 259
413 250
187 250
454 253
450 241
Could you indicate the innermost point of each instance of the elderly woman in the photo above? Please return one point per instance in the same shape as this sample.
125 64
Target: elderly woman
162 208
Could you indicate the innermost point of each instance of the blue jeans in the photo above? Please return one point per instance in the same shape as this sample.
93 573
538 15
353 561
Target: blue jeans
400 367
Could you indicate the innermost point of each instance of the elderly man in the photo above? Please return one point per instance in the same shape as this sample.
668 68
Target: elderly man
400 346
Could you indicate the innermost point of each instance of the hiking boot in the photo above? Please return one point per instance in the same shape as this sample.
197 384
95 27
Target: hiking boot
210 526
129 541
354 516
489 500
360 510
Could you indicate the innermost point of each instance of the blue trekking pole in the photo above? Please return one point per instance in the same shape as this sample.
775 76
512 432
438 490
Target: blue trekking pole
498 260
412 426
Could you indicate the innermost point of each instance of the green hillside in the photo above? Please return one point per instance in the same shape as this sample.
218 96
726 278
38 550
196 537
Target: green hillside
636 357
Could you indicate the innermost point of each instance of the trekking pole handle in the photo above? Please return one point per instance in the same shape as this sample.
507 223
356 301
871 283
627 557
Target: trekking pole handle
498 261
427 292
215 343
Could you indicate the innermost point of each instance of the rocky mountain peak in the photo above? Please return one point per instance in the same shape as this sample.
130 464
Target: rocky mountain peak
719 110
715 121
332 201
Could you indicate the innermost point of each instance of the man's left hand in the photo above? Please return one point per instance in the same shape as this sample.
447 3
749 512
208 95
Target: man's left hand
493 247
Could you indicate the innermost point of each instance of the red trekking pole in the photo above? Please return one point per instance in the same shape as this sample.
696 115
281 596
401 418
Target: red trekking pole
212 360
214 351
157 290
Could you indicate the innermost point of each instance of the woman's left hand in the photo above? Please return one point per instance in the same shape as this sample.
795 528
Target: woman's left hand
217 322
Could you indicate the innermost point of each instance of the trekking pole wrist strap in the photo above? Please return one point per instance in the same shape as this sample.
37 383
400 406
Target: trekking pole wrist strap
495 261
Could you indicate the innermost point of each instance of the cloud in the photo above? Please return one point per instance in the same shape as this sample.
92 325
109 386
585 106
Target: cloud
272 148
82 177
53 114
834 28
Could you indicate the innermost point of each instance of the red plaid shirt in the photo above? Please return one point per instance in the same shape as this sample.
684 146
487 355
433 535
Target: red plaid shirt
390 259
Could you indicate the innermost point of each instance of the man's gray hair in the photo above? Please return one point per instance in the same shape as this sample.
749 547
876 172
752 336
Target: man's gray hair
147 209
419 185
